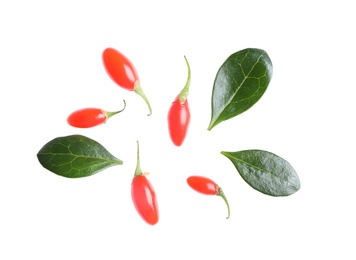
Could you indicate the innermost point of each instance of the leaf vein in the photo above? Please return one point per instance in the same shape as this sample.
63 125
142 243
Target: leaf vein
243 81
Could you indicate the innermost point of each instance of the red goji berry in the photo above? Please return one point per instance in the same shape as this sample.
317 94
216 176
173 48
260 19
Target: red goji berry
206 186
179 114
121 70
90 117
143 195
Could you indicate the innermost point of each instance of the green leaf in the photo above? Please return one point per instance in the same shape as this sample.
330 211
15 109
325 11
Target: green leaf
265 172
240 82
75 156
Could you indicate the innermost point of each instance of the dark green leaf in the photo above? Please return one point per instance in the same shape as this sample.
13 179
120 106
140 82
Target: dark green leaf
75 156
265 172
239 84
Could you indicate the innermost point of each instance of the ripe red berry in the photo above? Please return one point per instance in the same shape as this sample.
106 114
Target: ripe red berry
144 199
207 186
179 114
121 70
143 195
90 117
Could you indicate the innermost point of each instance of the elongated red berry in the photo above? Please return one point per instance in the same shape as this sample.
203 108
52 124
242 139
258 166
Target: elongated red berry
207 186
178 121
144 199
143 195
90 117
179 114
121 70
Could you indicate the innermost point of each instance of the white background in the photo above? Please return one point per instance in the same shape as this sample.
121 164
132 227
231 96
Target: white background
50 65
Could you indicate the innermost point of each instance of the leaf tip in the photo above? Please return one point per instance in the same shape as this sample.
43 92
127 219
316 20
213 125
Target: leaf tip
224 153
211 125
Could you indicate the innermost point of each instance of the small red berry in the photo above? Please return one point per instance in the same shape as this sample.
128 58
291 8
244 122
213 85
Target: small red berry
207 186
144 199
121 70
90 117
143 195
179 114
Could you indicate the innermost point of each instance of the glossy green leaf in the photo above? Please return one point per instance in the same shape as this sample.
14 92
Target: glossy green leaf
75 156
265 172
240 82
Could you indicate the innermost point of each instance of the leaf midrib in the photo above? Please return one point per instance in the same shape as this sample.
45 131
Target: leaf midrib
76 156
239 87
262 170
